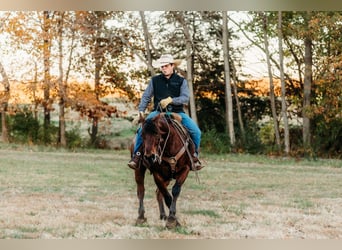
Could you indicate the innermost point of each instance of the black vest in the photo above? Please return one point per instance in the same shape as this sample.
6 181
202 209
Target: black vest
163 88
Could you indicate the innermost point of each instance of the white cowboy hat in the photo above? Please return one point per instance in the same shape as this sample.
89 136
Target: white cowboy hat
164 60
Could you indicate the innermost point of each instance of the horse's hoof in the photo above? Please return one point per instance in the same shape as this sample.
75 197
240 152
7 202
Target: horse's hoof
140 221
163 217
172 222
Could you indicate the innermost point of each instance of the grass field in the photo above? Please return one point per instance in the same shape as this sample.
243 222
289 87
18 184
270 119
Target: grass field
50 193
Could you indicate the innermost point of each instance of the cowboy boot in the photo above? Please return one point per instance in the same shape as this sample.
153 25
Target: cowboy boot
134 162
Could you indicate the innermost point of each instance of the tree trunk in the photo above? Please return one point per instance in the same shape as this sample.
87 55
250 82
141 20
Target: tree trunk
283 89
188 44
34 91
272 97
4 104
46 53
238 105
307 91
98 66
62 137
94 130
228 90
147 43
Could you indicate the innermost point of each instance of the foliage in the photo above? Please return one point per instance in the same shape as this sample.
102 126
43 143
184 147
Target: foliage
107 54
74 139
48 135
24 127
251 143
81 97
328 137
215 142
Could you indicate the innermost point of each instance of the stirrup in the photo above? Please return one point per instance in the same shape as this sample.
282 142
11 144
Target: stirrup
198 165
134 162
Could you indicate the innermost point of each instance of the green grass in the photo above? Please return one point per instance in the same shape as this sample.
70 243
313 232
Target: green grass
56 193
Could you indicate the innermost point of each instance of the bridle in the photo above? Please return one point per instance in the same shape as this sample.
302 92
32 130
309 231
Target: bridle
182 135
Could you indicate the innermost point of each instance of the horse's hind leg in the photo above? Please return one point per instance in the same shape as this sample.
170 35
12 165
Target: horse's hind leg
160 199
139 178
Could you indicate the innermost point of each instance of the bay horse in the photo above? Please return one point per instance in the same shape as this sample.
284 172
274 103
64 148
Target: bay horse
167 154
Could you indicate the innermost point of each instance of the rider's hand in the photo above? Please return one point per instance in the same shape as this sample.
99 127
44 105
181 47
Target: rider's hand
165 102
139 119
141 116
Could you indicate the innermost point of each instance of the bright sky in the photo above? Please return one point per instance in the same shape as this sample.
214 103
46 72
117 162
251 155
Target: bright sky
253 58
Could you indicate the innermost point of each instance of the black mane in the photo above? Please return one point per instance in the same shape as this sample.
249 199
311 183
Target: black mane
150 127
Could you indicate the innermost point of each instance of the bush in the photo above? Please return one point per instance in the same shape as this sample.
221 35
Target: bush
327 139
215 142
74 139
24 128
250 142
48 135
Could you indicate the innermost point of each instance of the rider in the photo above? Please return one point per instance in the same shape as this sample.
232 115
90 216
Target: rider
167 88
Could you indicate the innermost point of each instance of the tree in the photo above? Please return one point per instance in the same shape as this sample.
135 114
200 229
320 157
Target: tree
4 97
47 38
228 91
25 31
307 81
238 103
189 62
92 25
107 46
283 88
270 75
61 85
147 43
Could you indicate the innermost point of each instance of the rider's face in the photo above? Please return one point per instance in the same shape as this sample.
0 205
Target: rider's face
167 69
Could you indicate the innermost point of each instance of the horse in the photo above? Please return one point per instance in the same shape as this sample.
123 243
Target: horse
167 154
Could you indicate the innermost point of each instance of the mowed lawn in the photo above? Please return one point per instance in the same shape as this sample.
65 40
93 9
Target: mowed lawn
54 193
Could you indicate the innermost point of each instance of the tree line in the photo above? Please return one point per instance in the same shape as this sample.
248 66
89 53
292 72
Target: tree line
301 52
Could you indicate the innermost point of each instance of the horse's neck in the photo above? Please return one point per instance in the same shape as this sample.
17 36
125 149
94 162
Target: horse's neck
181 130
176 132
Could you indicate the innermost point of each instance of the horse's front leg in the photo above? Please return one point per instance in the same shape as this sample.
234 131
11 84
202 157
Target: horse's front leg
139 179
160 199
162 194
172 221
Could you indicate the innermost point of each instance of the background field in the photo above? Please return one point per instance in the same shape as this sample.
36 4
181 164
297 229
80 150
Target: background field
49 193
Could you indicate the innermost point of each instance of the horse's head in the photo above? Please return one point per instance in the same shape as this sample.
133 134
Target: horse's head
152 136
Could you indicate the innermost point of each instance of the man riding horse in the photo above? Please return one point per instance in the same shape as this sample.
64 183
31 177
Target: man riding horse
171 91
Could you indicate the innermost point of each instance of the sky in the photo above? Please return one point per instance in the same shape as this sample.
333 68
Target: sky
253 58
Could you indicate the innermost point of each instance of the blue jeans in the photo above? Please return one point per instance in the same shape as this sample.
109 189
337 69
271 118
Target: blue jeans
188 123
